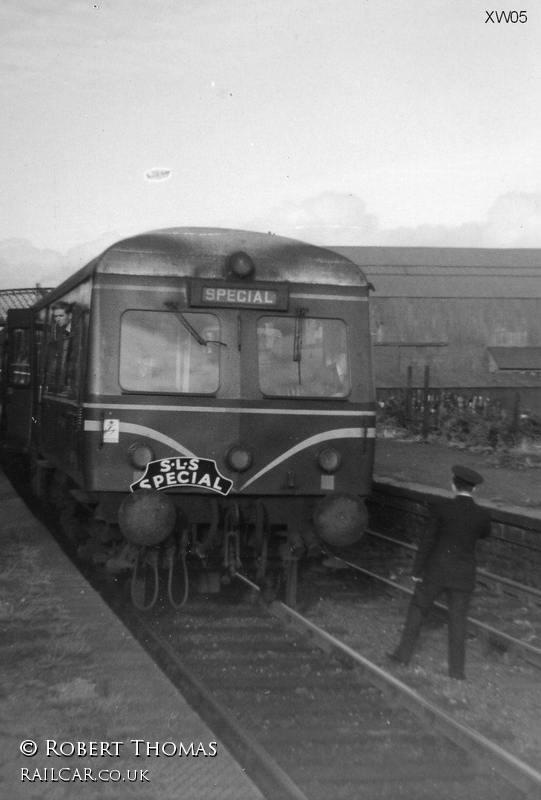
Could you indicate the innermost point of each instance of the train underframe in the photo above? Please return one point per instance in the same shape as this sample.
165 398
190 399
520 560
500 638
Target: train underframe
206 541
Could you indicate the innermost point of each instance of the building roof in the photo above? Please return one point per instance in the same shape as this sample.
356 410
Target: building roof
19 298
449 271
444 257
521 358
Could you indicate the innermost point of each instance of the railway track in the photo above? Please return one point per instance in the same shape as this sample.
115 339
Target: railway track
311 726
509 632
307 724
501 583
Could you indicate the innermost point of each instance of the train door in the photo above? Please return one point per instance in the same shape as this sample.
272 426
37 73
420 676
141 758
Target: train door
18 381
62 377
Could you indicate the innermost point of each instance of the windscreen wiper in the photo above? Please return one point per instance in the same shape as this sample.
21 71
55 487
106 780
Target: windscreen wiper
298 338
171 306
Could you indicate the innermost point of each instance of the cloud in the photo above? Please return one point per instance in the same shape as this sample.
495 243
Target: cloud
328 218
514 220
333 218
22 265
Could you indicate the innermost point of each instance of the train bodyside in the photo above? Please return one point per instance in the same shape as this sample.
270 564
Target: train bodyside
229 369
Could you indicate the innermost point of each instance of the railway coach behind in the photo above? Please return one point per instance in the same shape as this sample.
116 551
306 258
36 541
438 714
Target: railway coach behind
212 386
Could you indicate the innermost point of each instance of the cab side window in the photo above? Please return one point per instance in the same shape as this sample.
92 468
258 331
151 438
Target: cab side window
63 351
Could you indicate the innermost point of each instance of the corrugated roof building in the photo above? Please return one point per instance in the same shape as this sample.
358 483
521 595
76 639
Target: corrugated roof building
19 298
471 316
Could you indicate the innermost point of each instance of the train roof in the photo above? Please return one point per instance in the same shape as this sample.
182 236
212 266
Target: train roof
443 257
203 253
449 271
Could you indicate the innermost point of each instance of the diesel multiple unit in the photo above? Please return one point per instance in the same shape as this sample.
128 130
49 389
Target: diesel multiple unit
208 385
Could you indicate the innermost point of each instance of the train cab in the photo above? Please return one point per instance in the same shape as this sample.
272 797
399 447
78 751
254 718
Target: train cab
229 372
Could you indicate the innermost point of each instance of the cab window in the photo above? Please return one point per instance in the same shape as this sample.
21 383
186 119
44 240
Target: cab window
303 357
169 352
62 358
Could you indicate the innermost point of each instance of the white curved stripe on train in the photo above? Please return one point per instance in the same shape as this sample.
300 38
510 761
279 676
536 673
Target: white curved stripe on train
152 433
143 430
339 433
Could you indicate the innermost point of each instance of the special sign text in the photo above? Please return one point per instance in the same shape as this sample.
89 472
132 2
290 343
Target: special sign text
201 473
254 296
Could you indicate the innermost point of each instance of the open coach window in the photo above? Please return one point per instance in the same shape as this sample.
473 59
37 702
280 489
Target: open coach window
162 351
63 352
303 356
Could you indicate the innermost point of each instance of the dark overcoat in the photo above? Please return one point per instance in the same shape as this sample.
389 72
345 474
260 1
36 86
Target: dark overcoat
446 552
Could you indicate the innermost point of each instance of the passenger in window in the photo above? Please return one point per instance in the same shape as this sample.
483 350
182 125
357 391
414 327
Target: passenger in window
62 313
204 364
270 338
334 379
62 317
342 369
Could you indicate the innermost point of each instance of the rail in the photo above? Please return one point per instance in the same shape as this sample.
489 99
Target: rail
524 649
520 588
273 780
513 769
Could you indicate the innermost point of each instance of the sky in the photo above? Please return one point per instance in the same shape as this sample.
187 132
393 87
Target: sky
364 122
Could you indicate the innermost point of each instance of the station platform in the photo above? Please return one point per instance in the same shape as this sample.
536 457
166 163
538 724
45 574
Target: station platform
426 467
86 713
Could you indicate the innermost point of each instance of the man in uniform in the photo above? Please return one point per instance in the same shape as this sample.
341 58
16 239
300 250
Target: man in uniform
445 562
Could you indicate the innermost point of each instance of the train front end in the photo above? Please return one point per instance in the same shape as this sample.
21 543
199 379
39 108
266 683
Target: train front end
234 395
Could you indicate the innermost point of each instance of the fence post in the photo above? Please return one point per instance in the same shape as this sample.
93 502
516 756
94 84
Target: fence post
426 409
408 396
516 413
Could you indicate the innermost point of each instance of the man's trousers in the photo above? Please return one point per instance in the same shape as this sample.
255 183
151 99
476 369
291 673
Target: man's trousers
425 595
